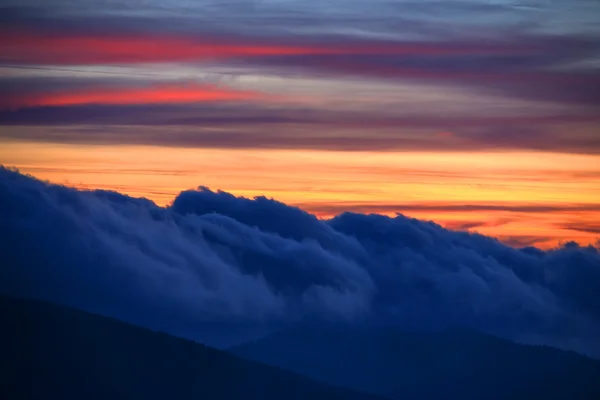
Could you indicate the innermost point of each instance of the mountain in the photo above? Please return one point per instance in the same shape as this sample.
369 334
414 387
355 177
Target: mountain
53 352
428 365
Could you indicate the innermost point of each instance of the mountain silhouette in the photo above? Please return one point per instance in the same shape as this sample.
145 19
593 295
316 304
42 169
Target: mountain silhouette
54 352
428 365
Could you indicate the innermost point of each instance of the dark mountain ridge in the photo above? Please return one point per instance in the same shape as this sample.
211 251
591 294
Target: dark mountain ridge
54 352
421 365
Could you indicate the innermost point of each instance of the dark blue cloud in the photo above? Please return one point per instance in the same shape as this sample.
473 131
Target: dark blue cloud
213 264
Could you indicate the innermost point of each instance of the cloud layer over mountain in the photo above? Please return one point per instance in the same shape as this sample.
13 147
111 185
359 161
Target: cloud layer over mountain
213 263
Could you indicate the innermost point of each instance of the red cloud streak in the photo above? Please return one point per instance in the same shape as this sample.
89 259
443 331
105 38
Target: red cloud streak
30 46
157 94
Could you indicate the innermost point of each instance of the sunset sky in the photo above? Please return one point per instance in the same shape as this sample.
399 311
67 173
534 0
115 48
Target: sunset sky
478 115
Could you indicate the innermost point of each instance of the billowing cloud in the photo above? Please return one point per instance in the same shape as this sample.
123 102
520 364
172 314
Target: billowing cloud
215 260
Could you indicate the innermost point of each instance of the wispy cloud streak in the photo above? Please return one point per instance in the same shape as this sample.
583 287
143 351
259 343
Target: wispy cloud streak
153 94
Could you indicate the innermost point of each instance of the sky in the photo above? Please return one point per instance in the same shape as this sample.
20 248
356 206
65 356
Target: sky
479 115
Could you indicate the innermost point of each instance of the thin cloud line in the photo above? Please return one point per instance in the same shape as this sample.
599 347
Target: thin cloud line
77 70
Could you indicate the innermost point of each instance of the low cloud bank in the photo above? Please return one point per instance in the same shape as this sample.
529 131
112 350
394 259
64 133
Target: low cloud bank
216 267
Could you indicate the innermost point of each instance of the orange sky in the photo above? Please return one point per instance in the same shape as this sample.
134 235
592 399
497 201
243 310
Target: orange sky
520 197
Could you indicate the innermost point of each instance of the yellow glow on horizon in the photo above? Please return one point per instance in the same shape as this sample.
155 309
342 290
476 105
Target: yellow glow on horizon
321 180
